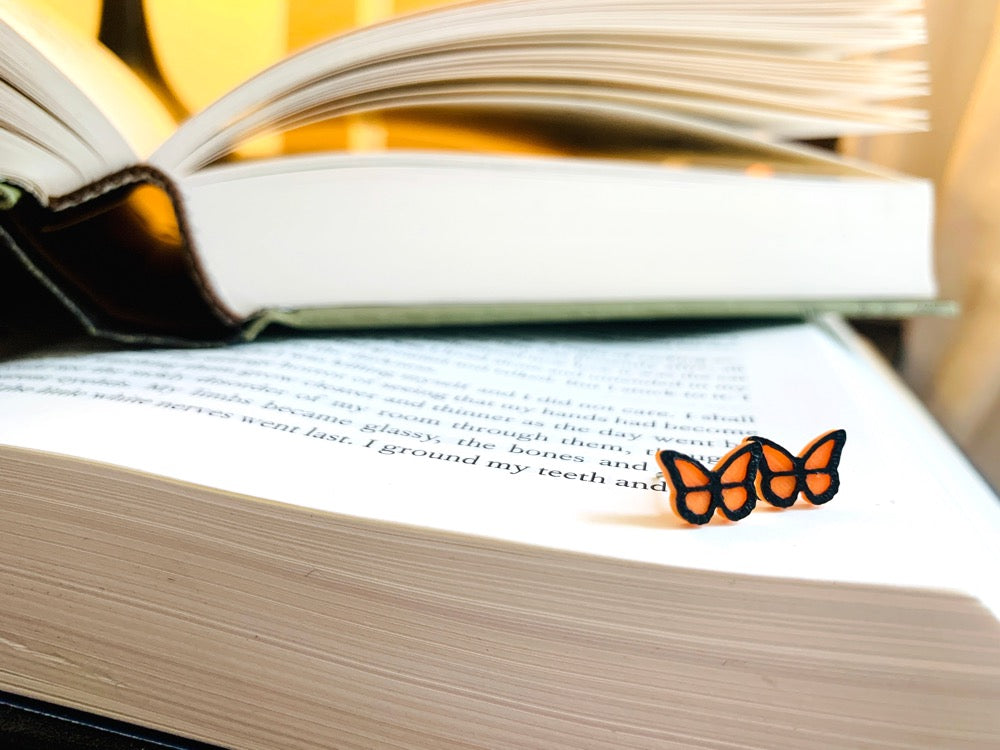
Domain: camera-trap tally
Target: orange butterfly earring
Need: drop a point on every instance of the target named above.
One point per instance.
(756, 468)
(782, 477)
(696, 493)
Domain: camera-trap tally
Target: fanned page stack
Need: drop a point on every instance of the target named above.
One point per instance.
(702, 97)
(458, 541)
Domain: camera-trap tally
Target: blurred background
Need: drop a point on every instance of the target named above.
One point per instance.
(195, 50)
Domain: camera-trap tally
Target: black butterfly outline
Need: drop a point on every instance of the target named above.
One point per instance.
(800, 469)
(716, 482)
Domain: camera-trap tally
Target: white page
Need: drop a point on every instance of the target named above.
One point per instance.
(534, 230)
(83, 86)
(799, 31)
(540, 429)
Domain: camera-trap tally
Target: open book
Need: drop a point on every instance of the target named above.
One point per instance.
(181, 242)
(459, 540)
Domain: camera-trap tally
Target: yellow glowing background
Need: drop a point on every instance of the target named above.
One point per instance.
(206, 47)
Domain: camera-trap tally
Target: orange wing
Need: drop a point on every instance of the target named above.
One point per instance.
(813, 473)
(777, 481)
(696, 492)
(820, 461)
(737, 473)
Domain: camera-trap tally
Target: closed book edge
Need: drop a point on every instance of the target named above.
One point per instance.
(141, 278)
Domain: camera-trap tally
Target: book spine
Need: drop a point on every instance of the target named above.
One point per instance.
(119, 255)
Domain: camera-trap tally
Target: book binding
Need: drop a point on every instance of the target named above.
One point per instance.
(119, 256)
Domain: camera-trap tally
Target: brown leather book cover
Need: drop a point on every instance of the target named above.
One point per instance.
(118, 255)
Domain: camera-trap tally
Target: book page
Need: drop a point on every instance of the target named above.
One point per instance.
(661, 66)
(83, 87)
(543, 436)
(533, 230)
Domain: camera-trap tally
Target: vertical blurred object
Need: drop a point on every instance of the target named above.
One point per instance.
(309, 22)
(124, 30)
(207, 48)
(955, 364)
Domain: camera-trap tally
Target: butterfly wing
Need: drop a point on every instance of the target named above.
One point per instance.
(818, 465)
(778, 481)
(736, 474)
(690, 485)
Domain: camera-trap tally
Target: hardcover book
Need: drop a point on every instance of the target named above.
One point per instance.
(668, 155)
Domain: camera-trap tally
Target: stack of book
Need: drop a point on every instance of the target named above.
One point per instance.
(456, 537)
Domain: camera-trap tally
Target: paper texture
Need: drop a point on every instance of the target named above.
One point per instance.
(537, 437)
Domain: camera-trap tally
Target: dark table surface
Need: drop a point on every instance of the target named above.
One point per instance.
(27, 724)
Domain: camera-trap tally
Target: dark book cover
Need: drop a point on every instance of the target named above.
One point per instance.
(29, 724)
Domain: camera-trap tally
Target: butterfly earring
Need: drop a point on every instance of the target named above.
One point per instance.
(696, 492)
(782, 477)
